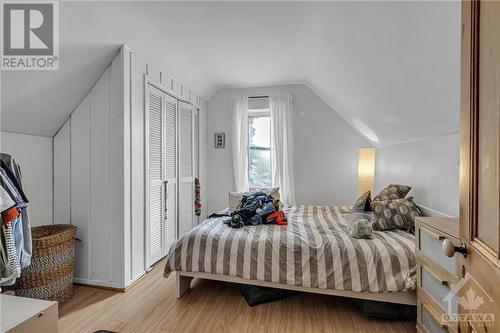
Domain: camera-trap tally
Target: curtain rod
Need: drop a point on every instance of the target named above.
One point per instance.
(265, 96)
(258, 97)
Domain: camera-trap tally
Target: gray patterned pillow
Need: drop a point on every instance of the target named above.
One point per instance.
(363, 203)
(394, 214)
(393, 191)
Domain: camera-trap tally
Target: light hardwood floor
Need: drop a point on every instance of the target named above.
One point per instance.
(210, 306)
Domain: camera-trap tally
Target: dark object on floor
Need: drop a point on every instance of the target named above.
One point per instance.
(258, 295)
(387, 310)
(105, 331)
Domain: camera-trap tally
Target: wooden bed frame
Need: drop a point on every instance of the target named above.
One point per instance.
(402, 297)
(184, 284)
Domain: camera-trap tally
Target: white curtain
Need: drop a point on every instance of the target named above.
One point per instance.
(240, 142)
(282, 146)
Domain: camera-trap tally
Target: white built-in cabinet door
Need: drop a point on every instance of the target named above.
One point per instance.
(170, 169)
(80, 185)
(62, 175)
(155, 189)
(186, 168)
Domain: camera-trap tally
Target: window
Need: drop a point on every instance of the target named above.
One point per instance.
(259, 149)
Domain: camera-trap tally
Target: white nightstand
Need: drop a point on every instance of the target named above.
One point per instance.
(21, 315)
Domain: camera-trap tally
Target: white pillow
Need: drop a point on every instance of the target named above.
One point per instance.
(236, 197)
(235, 200)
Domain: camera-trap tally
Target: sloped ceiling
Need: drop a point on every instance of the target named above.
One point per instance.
(391, 69)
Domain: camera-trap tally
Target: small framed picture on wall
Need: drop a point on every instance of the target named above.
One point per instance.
(220, 140)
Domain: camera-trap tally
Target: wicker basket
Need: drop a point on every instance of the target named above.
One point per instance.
(50, 275)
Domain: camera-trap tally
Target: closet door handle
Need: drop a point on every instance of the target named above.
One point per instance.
(165, 194)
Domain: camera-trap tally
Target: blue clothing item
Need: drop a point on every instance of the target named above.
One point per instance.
(14, 173)
(13, 255)
(8, 162)
(27, 245)
(20, 203)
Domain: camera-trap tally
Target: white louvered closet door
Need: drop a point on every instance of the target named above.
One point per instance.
(170, 165)
(186, 172)
(155, 227)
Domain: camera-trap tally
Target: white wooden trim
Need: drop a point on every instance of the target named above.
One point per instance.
(101, 283)
(432, 212)
(408, 297)
(135, 278)
(165, 89)
(147, 263)
(259, 112)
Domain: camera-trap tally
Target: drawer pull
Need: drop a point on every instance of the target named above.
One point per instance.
(434, 316)
(436, 277)
(434, 235)
(449, 248)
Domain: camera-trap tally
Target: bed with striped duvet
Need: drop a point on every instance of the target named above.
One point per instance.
(314, 251)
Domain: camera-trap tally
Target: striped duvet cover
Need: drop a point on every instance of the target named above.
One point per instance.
(314, 250)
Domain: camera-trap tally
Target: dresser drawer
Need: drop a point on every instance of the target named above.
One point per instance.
(430, 243)
(437, 287)
(431, 317)
(431, 320)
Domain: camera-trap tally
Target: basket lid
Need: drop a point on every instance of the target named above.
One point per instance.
(53, 233)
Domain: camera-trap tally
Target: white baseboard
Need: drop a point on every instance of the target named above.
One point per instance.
(99, 283)
(134, 279)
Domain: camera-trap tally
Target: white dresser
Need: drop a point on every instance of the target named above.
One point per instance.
(22, 315)
(435, 273)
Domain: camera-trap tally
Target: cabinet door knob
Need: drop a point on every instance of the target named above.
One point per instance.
(449, 248)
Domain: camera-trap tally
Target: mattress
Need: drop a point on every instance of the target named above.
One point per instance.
(314, 251)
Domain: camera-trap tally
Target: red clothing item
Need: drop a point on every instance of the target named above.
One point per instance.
(9, 215)
(277, 217)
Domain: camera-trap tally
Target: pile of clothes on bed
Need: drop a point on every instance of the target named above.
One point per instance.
(257, 208)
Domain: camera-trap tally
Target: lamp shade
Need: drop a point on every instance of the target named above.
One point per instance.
(366, 170)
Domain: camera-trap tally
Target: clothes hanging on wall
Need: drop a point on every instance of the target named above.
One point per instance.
(15, 229)
(197, 196)
(6, 270)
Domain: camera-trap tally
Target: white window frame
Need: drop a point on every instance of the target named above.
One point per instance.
(258, 113)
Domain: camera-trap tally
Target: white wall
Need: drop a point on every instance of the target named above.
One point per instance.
(34, 155)
(99, 160)
(429, 166)
(90, 159)
(326, 149)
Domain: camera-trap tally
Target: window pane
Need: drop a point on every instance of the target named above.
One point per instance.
(259, 132)
(259, 168)
(259, 152)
